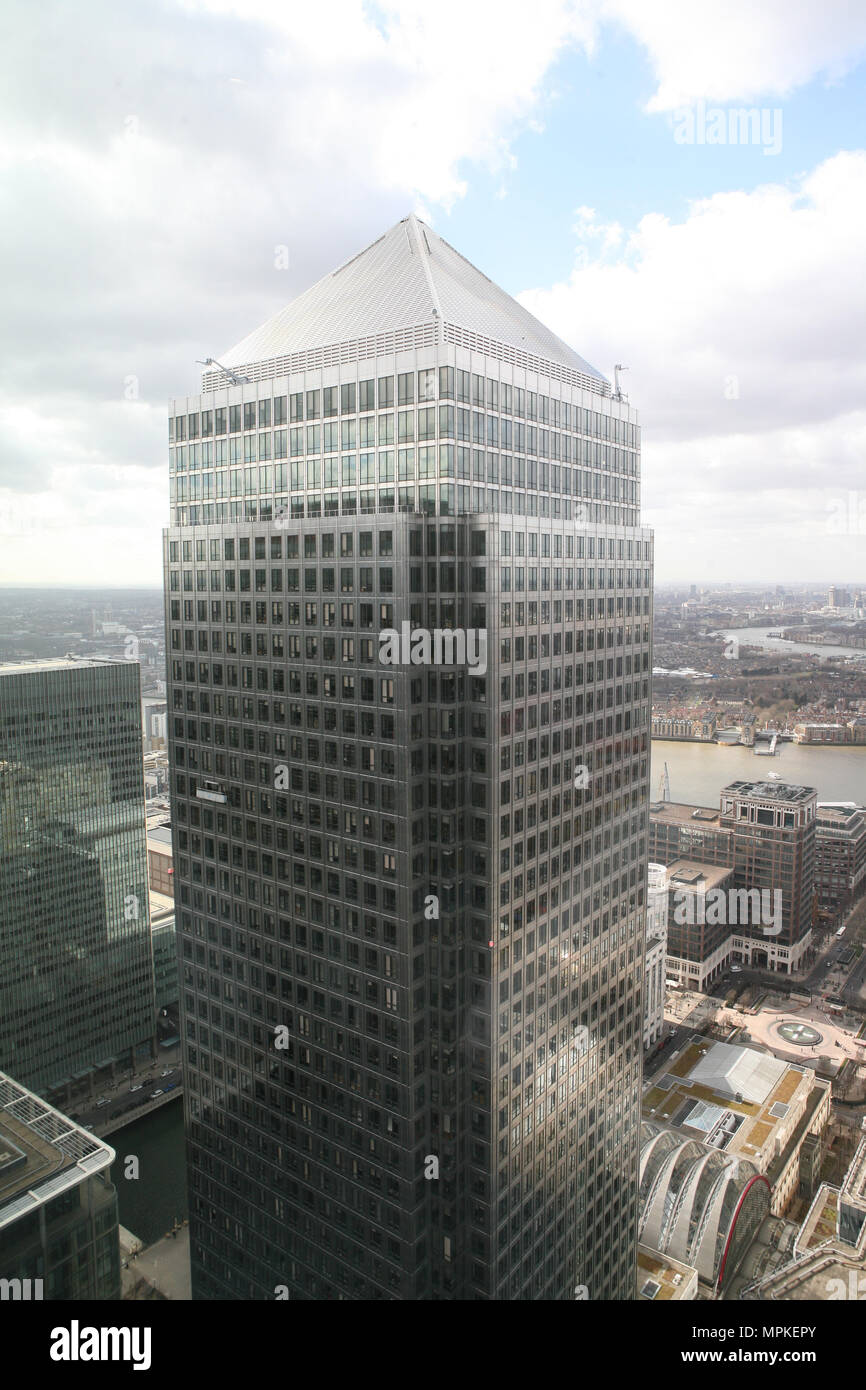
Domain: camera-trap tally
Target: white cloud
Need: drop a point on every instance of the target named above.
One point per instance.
(742, 49)
(744, 328)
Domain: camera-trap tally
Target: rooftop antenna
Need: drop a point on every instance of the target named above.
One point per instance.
(212, 362)
(617, 389)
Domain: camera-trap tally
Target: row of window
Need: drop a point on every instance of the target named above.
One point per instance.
(449, 540)
(468, 500)
(371, 394)
(344, 438)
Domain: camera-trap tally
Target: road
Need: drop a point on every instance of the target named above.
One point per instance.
(163, 1074)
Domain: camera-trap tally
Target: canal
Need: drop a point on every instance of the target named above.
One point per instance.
(149, 1203)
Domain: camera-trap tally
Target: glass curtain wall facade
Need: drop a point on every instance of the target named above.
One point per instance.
(76, 972)
(410, 897)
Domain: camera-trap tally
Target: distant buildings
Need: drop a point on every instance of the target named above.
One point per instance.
(839, 598)
(853, 731)
(76, 971)
(701, 729)
(58, 1206)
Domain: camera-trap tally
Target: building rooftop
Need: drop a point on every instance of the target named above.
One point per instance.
(159, 837)
(735, 1099)
(58, 663)
(769, 791)
(662, 1278)
(680, 812)
(688, 873)
(162, 909)
(406, 278)
(42, 1152)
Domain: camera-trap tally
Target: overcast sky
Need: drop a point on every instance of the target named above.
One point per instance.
(154, 155)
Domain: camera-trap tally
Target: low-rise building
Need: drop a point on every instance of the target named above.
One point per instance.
(747, 1103)
(58, 1205)
(827, 1261)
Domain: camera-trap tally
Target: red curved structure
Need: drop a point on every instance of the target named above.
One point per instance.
(759, 1177)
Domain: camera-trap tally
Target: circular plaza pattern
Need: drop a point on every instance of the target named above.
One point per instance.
(801, 1034)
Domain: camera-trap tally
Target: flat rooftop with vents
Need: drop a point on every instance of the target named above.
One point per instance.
(42, 1152)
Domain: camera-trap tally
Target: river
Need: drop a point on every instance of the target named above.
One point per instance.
(759, 637)
(698, 771)
(149, 1204)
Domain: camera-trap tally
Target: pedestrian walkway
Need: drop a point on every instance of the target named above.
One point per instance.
(162, 1270)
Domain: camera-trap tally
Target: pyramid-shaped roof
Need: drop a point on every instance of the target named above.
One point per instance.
(409, 277)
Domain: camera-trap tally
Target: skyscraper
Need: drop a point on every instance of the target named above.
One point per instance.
(76, 972)
(408, 610)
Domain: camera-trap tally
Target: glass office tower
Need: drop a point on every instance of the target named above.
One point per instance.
(408, 613)
(76, 972)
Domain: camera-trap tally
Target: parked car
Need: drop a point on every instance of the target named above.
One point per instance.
(172, 1085)
(138, 1087)
(154, 1094)
(103, 1100)
(168, 1072)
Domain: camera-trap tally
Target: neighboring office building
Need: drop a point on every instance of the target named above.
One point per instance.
(840, 857)
(406, 444)
(164, 939)
(76, 971)
(699, 939)
(160, 869)
(681, 831)
(656, 947)
(773, 825)
(58, 1206)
